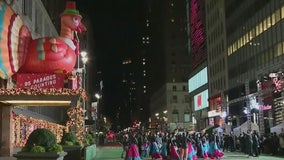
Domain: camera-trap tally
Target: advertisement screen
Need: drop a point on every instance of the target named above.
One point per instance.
(198, 80)
(201, 100)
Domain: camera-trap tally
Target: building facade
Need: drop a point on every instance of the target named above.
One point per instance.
(197, 49)
(19, 119)
(170, 107)
(169, 56)
(245, 54)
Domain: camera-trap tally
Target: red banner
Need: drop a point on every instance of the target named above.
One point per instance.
(31, 80)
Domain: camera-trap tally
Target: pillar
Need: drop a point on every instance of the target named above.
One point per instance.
(7, 131)
(260, 103)
(248, 105)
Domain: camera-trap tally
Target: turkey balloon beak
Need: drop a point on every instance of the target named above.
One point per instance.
(81, 28)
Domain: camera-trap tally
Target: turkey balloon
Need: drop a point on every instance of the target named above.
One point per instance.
(20, 53)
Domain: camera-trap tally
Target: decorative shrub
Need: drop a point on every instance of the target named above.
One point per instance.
(69, 139)
(89, 139)
(56, 148)
(68, 143)
(41, 138)
(79, 143)
(37, 149)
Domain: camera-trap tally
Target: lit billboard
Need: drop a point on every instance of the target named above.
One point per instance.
(201, 100)
(198, 80)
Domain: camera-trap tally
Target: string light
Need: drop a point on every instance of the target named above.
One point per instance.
(24, 125)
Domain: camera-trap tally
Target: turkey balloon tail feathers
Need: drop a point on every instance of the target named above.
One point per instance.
(14, 40)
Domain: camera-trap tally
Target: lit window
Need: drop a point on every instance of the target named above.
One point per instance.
(186, 116)
(175, 116)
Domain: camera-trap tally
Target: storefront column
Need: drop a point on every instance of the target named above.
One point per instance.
(260, 103)
(248, 105)
(6, 132)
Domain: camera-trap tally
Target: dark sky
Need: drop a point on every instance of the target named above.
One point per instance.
(116, 32)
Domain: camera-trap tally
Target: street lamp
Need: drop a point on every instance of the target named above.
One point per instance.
(84, 59)
(98, 97)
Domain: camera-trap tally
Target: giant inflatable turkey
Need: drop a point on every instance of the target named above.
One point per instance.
(20, 53)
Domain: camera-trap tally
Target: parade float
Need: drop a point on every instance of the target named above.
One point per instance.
(34, 72)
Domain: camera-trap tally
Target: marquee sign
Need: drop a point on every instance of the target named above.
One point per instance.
(27, 80)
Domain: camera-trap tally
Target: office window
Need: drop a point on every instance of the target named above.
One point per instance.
(174, 99)
(186, 116)
(184, 88)
(175, 116)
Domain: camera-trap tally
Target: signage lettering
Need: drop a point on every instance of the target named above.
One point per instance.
(40, 80)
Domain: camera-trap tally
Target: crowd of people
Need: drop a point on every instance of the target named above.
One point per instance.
(183, 145)
(178, 145)
(252, 144)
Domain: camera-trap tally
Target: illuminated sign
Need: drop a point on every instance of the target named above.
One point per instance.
(198, 80)
(197, 32)
(40, 80)
(214, 113)
(266, 107)
(201, 100)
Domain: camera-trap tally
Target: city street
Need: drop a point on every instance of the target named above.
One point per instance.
(113, 152)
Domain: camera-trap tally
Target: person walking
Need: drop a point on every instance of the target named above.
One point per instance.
(249, 142)
(174, 155)
(125, 144)
(145, 148)
(255, 144)
(183, 146)
(132, 152)
(155, 152)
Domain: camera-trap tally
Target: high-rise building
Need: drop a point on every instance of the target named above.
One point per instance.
(245, 53)
(169, 59)
(141, 61)
(217, 59)
(135, 71)
(255, 49)
(197, 49)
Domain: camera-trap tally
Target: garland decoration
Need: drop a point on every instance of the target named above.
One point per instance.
(44, 91)
(76, 120)
(24, 125)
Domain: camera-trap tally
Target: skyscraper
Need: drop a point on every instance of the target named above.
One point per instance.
(169, 59)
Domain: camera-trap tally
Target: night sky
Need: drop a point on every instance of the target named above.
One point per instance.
(116, 34)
